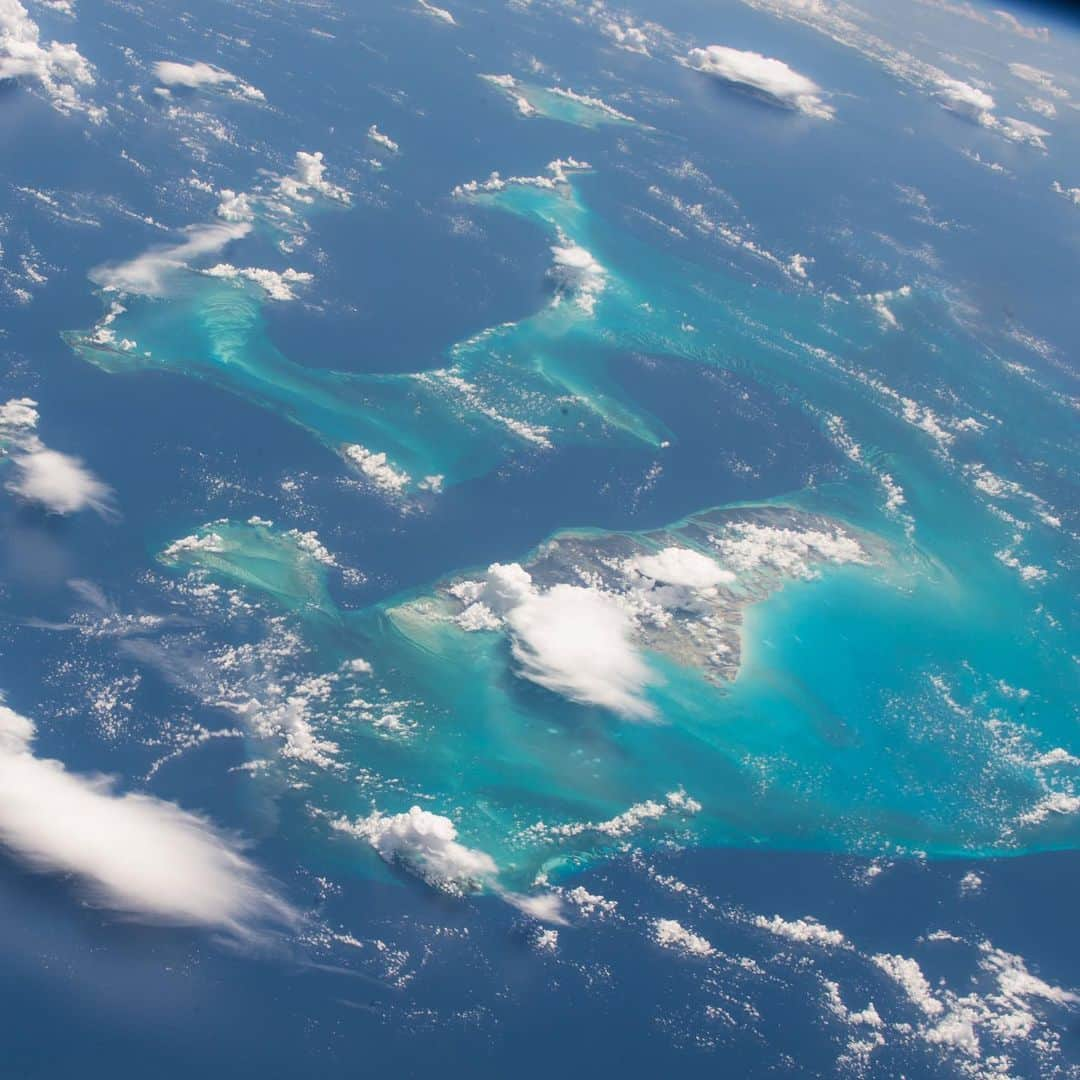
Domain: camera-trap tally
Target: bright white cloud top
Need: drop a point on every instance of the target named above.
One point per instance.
(276, 284)
(199, 74)
(57, 68)
(575, 641)
(969, 101)
(132, 852)
(772, 79)
(577, 274)
(308, 179)
(58, 483)
(427, 845)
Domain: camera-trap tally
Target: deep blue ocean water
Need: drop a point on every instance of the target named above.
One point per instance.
(883, 737)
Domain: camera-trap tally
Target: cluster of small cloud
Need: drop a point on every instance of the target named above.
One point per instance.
(276, 284)
(1041, 106)
(772, 79)
(626, 34)
(969, 101)
(838, 22)
(18, 416)
(508, 84)
(155, 272)
(750, 548)
(59, 69)
(1044, 80)
(1056, 803)
(56, 482)
(284, 713)
(377, 468)
(555, 176)
(793, 266)
(633, 819)
(961, 1022)
(590, 102)
(208, 541)
(427, 845)
(526, 106)
(577, 274)
(199, 75)
(472, 398)
(671, 934)
(1070, 193)
(308, 179)
(132, 852)
(806, 931)
(880, 301)
(234, 206)
(381, 139)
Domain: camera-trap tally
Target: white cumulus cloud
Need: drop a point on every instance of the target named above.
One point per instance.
(963, 98)
(975, 104)
(380, 138)
(671, 934)
(308, 179)
(199, 74)
(277, 284)
(427, 845)
(57, 68)
(58, 482)
(577, 274)
(682, 567)
(133, 852)
(771, 78)
(377, 468)
(573, 640)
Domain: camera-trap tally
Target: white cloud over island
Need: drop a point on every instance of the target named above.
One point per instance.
(768, 77)
(570, 639)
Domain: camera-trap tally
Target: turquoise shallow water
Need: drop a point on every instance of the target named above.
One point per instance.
(872, 712)
(904, 707)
